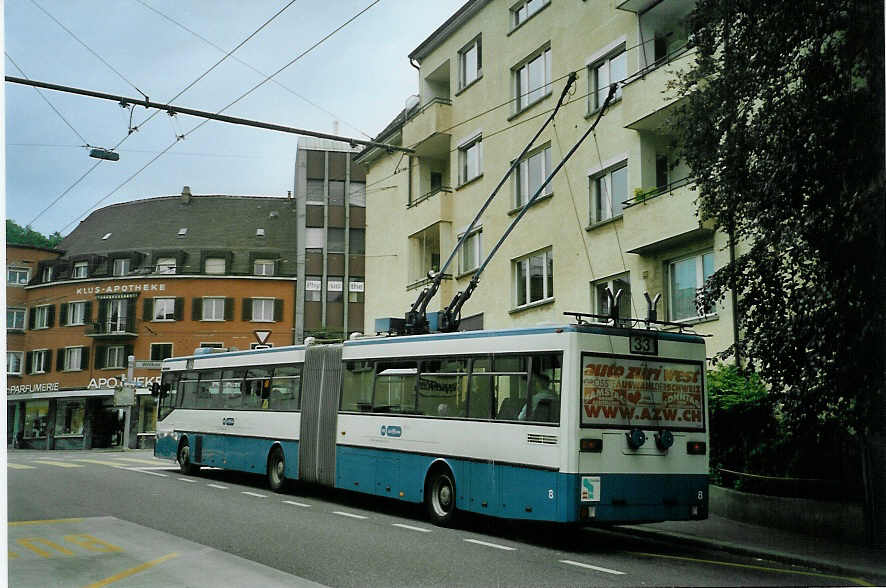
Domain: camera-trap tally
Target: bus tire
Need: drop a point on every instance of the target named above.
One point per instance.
(276, 469)
(185, 465)
(440, 497)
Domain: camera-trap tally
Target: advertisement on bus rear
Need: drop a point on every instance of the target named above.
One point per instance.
(646, 393)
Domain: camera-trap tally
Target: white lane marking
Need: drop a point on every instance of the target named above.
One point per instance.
(411, 528)
(348, 514)
(144, 468)
(590, 567)
(188, 480)
(302, 504)
(219, 486)
(137, 460)
(497, 546)
(146, 472)
(256, 494)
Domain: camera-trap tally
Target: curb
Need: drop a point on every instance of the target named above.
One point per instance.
(739, 549)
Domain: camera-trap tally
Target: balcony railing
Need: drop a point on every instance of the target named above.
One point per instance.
(645, 196)
(124, 326)
(424, 197)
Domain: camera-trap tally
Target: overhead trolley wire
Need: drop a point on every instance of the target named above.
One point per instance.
(256, 70)
(171, 145)
(82, 177)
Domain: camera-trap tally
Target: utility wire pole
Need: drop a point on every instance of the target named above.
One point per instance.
(173, 110)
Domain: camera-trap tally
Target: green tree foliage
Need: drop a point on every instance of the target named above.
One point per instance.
(783, 129)
(19, 235)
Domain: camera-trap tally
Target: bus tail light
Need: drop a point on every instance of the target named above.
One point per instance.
(591, 445)
(696, 447)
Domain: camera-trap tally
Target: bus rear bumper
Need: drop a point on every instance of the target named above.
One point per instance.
(641, 498)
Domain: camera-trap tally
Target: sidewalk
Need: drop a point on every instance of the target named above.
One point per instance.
(752, 540)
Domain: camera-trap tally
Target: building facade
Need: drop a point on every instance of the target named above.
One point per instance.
(330, 194)
(151, 279)
(620, 214)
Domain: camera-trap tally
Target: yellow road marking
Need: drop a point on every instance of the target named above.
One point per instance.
(100, 462)
(132, 571)
(29, 543)
(858, 581)
(61, 464)
(91, 543)
(43, 522)
(137, 460)
(19, 466)
(13, 555)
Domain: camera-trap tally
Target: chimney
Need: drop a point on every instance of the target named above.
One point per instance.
(186, 195)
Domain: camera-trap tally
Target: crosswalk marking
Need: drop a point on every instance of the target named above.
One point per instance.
(100, 462)
(60, 464)
(20, 466)
(137, 460)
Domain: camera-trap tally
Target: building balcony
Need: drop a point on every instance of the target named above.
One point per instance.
(662, 218)
(427, 131)
(647, 100)
(114, 328)
(434, 207)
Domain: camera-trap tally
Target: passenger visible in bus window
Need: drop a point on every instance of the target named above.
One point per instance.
(544, 387)
(511, 387)
(285, 388)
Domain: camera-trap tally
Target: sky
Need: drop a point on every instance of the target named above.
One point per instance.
(358, 79)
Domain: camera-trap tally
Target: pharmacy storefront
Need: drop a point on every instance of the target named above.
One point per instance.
(43, 416)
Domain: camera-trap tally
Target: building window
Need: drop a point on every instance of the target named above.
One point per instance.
(336, 193)
(314, 191)
(334, 290)
(117, 313)
(46, 275)
(41, 317)
(424, 253)
(165, 265)
(213, 309)
(17, 276)
(315, 239)
(357, 194)
(357, 241)
(355, 290)
(611, 70)
(69, 417)
(524, 10)
(15, 318)
(534, 278)
(263, 267)
(608, 191)
(115, 356)
(469, 254)
(14, 361)
(687, 277)
(36, 419)
(160, 351)
(470, 64)
(73, 359)
(81, 269)
(336, 240)
(263, 309)
(313, 288)
(76, 313)
(214, 265)
(532, 79)
(529, 175)
(600, 302)
(164, 309)
(182, 233)
(121, 266)
(470, 159)
(40, 361)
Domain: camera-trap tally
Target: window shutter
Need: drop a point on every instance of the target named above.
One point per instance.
(84, 358)
(50, 316)
(229, 309)
(127, 351)
(103, 312)
(197, 309)
(147, 309)
(130, 314)
(179, 308)
(247, 309)
(29, 361)
(100, 354)
(278, 310)
(63, 314)
(32, 316)
(87, 312)
(48, 360)
(60, 360)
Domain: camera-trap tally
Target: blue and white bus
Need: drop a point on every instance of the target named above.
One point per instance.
(574, 423)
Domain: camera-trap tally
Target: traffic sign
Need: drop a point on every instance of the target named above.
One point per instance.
(262, 336)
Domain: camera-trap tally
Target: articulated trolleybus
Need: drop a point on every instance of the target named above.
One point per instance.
(578, 423)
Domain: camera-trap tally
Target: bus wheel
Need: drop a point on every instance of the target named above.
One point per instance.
(440, 498)
(276, 467)
(184, 460)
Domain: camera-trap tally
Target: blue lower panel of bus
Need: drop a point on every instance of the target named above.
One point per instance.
(511, 491)
(244, 454)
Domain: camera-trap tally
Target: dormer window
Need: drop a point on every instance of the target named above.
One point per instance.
(215, 265)
(183, 232)
(107, 236)
(81, 269)
(121, 266)
(46, 275)
(259, 232)
(166, 265)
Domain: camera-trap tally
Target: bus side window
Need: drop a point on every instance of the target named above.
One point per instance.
(511, 386)
(442, 386)
(394, 389)
(544, 388)
(480, 389)
(257, 389)
(356, 393)
(285, 387)
(187, 388)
